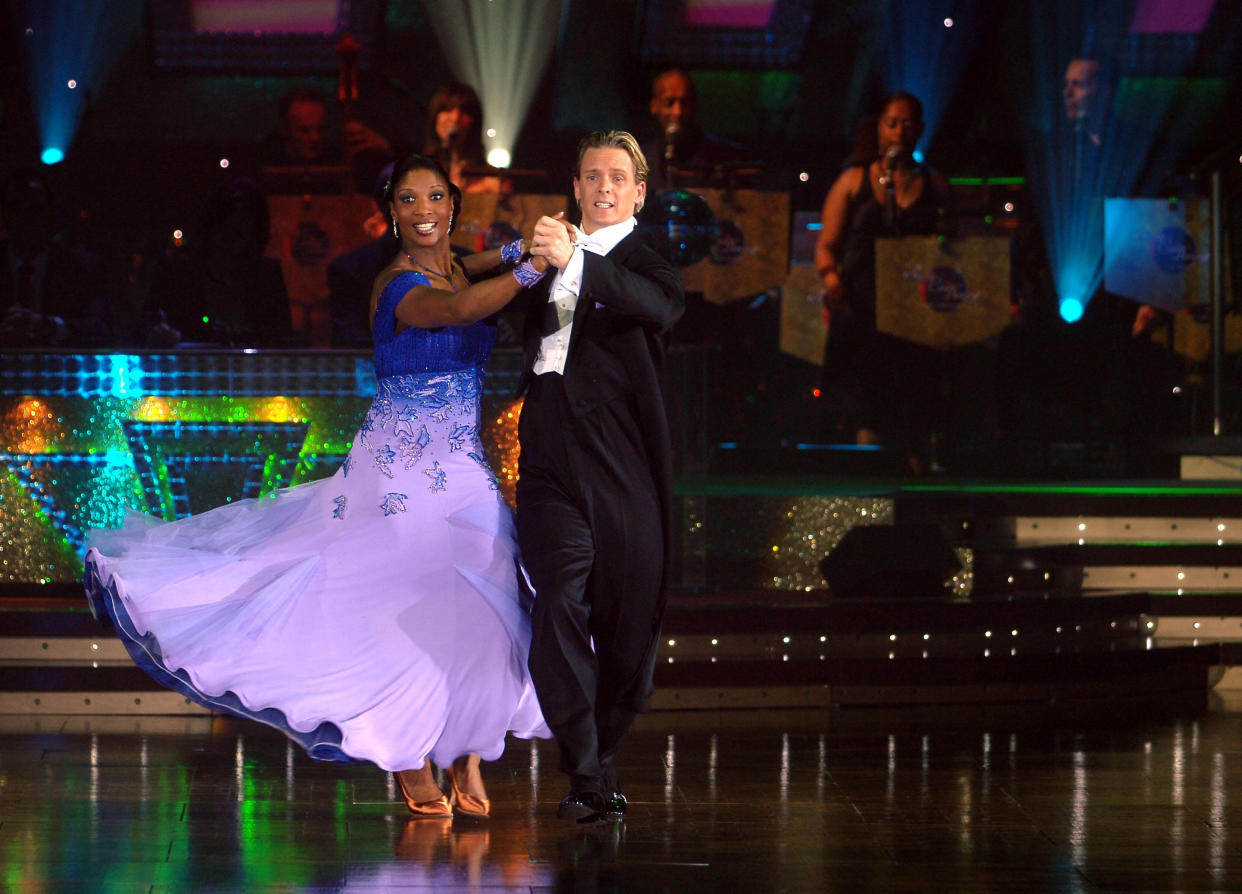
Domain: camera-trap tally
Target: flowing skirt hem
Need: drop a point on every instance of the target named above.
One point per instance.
(323, 743)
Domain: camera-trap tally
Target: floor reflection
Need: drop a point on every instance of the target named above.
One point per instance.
(589, 859)
(1021, 798)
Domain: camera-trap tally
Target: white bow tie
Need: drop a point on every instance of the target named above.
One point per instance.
(586, 242)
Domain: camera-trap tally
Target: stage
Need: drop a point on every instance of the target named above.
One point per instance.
(866, 681)
(1078, 798)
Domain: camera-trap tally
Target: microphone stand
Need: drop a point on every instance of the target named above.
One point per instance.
(890, 194)
(1215, 164)
(347, 51)
(666, 162)
(1218, 307)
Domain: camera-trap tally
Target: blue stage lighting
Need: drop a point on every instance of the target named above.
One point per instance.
(68, 46)
(51, 155)
(924, 55)
(1092, 142)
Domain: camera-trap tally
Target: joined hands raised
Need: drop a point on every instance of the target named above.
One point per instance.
(553, 241)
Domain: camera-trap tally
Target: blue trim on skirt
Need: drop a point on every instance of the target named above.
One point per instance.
(322, 743)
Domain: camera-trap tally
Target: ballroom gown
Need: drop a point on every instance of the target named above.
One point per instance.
(380, 614)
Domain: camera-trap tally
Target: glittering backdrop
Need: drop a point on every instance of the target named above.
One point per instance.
(86, 437)
(774, 541)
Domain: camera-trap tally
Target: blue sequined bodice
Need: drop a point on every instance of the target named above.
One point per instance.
(415, 350)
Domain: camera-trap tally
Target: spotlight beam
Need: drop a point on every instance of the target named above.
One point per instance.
(926, 46)
(69, 40)
(1071, 177)
(500, 49)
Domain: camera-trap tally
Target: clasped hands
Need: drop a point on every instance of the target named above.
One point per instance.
(553, 241)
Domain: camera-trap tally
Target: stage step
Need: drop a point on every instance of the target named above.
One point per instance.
(999, 678)
(1159, 537)
(1087, 566)
(975, 504)
(772, 531)
(745, 648)
(1028, 530)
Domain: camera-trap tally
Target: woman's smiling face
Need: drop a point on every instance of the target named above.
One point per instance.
(422, 207)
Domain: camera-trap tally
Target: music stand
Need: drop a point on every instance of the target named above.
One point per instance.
(803, 332)
(942, 293)
(1156, 251)
(751, 252)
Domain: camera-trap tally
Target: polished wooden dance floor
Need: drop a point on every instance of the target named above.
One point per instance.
(1116, 797)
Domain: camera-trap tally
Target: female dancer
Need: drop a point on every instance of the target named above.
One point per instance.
(375, 615)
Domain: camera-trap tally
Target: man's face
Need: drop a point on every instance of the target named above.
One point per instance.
(672, 100)
(606, 187)
(304, 126)
(1081, 93)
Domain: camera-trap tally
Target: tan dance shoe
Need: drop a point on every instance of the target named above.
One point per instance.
(436, 807)
(464, 803)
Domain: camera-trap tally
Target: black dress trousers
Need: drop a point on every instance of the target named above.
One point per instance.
(589, 526)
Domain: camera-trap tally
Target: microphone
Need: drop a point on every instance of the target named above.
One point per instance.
(670, 138)
(890, 157)
(448, 144)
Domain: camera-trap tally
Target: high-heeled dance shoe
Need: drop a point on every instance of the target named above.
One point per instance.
(464, 803)
(435, 808)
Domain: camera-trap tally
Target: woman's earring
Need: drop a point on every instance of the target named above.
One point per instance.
(396, 234)
(452, 220)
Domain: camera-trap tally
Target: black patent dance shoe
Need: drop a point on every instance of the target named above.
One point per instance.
(615, 805)
(582, 807)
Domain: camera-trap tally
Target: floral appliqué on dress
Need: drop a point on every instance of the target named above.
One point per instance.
(410, 416)
(393, 503)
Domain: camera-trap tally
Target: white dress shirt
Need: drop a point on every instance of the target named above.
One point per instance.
(563, 295)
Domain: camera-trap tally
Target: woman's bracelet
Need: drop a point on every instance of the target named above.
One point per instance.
(511, 252)
(526, 274)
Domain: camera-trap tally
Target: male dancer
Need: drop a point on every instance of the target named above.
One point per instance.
(594, 487)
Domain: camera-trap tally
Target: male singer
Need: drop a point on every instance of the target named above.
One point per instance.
(681, 153)
(595, 469)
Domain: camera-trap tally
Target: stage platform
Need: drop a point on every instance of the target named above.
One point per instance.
(1120, 796)
(866, 682)
(1058, 591)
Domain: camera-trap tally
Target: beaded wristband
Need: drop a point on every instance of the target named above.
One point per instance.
(526, 274)
(511, 252)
